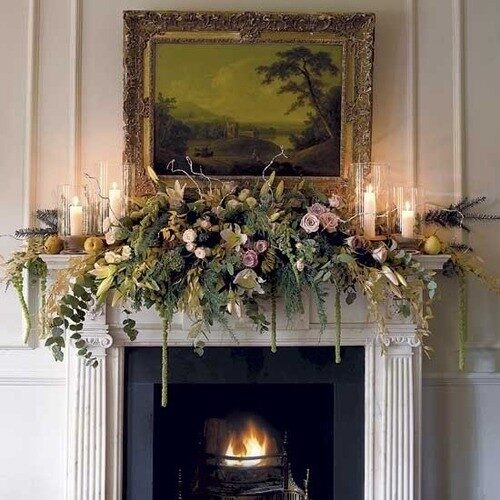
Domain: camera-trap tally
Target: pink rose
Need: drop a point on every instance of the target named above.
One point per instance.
(309, 223)
(250, 258)
(329, 221)
(335, 201)
(261, 246)
(317, 209)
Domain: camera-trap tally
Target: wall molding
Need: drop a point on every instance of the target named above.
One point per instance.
(412, 90)
(460, 379)
(30, 166)
(30, 378)
(31, 140)
(458, 86)
(75, 92)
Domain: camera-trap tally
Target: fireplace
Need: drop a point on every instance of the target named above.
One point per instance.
(245, 424)
(99, 464)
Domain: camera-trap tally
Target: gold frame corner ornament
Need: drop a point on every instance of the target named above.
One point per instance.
(354, 31)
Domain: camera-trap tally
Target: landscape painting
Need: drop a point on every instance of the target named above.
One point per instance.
(232, 107)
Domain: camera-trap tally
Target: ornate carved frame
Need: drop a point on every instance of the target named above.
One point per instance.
(144, 29)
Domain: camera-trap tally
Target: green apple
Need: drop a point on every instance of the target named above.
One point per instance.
(53, 244)
(432, 245)
(93, 244)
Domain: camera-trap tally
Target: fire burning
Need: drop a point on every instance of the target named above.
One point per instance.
(251, 443)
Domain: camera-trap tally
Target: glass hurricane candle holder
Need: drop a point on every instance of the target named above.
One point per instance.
(71, 209)
(371, 198)
(101, 193)
(408, 206)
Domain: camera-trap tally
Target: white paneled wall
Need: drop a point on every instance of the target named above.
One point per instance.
(436, 114)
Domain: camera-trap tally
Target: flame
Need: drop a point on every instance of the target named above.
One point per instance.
(251, 442)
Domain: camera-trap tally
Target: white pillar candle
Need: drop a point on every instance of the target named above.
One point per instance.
(369, 212)
(115, 203)
(407, 221)
(75, 217)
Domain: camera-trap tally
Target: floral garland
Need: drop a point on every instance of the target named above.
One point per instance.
(223, 252)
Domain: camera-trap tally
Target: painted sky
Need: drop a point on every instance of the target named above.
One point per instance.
(222, 80)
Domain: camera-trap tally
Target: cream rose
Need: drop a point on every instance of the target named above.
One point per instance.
(189, 236)
(200, 252)
(309, 223)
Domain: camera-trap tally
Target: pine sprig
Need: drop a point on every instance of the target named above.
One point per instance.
(45, 216)
(457, 213)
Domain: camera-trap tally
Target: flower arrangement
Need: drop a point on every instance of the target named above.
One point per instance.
(224, 251)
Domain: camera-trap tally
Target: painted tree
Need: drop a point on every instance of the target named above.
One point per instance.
(301, 72)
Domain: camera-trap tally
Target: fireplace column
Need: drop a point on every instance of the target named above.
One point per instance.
(399, 409)
(86, 443)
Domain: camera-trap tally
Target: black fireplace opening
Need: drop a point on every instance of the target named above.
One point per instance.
(244, 423)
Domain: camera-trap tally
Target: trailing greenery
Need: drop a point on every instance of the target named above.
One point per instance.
(26, 267)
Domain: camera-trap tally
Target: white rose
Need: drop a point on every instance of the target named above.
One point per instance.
(190, 247)
(126, 252)
(300, 265)
(111, 236)
(200, 252)
(189, 236)
(112, 257)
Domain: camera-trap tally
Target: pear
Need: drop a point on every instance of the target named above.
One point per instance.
(53, 244)
(93, 244)
(432, 245)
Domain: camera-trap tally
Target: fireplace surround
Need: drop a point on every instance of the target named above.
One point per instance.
(392, 392)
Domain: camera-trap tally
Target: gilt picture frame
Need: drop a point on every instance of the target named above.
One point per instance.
(232, 91)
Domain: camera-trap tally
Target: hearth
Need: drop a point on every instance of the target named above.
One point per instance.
(245, 424)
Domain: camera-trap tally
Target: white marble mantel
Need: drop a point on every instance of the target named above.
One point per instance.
(392, 393)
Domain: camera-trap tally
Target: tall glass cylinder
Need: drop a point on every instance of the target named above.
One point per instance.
(101, 193)
(371, 198)
(71, 209)
(127, 174)
(409, 206)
